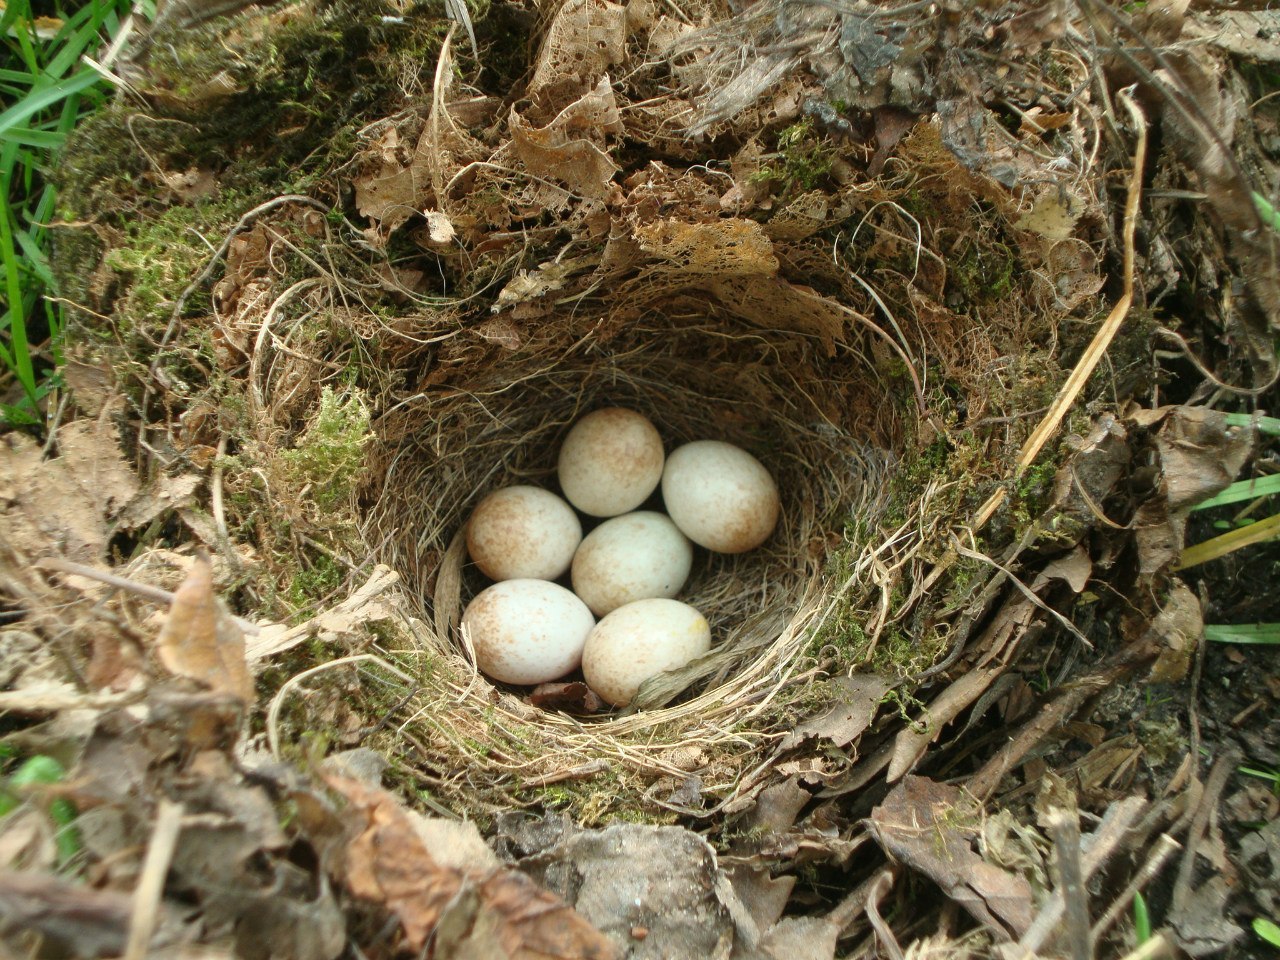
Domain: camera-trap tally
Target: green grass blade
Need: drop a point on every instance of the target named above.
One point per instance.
(1265, 210)
(1267, 425)
(1141, 919)
(15, 321)
(1267, 930)
(1243, 490)
(46, 97)
(1258, 532)
(40, 139)
(1242, 632)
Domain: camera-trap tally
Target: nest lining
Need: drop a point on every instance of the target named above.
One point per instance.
(774, 392)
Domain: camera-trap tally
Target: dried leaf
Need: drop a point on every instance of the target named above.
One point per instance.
(439, 227)
(71, 919)
(200, 640)
(496, 914)
(854, 701)
(90, 484)
(572, 697)
(933, 828)
(368, 604)
(1174, 633)
(565, 150)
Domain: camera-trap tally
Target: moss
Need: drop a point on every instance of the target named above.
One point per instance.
(315, 582)
(983, 273)
(329, 457)
(803, 160)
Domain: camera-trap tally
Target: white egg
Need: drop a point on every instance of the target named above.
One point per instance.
(610, 462)
(720, 496)
(639, 641)
(632, 557)
(527, 631)
(523, 532)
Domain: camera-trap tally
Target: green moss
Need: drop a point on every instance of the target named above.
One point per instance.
(803, 160)
(315, 582)
(983, 273)
(329, 456)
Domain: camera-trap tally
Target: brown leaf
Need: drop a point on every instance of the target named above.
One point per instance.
(70, 918)
(1199, 456)
(572, 697)
(200, 640)
(911, 742)
(853, 706)
(932, 828)
(90, 483)
(495, 914)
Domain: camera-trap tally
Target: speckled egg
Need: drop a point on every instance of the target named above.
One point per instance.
(523, 532)
(610, 462)
(636, 556)
(720, 496)
(527, 631)
(639, 641)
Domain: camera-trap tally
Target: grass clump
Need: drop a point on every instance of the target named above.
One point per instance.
(50, 89)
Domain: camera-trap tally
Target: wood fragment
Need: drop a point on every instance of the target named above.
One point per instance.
(146, 896)
(1102, 843)
(1065, 831)
(884, 935)
(1215, 783)
(1165, 848)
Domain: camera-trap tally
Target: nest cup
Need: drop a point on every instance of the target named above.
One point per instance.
(813, 414)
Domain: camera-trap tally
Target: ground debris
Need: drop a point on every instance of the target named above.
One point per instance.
(658, 892)
(931, 827)
(374, 847)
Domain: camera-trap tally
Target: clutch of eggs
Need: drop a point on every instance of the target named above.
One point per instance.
(527, 630)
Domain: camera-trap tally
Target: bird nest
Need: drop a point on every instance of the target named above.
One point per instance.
(824, 422)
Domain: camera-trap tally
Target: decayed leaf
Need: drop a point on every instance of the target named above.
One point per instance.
(73, 919)
(853, 706)
(90, 484)
(496, 914)
(368, 604)
(932, 828)
(200, 640)
(1199, 456)
(561, 151)
(1175, 632)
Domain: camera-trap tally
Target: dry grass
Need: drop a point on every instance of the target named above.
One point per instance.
(769, 390)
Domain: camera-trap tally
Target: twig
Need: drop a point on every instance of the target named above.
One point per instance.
(584, 772)
(855, 902)
(1157, 946)
(56, 698)
(1064, 828)
(1214, 784)
(1102, 843)
(144, 590)
(146, 896)
(1097, 349)
(1165, 848)
(888, 942)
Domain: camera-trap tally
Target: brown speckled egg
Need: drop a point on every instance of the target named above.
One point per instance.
(527, 631)
(720, 496)
(636, 556)
(523, 532)
(639, 641)
(610, 462)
